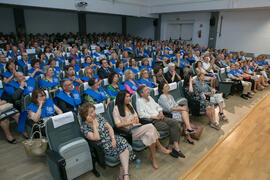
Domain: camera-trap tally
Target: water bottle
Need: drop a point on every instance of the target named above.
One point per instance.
(138, 162)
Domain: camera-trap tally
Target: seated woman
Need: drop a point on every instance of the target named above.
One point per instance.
(59, 57)
(125, 57)
(50, 81)
(114, 85)
(35, 71)
(88, 74)
(119, 67)
(113, 59)
(4, 124)
(158, 78)
(95, 128)
(180, 113)
(57, 69)
(133, 66)
(96, 94)
(72, 62)
(158, 59)
(207, 91)
(88, 62)
(145, 64)
(41, 108)
(144, 74)
(130, 83)
(8, 76)
(70, 74)
(125, 117)
(208, 76)
(194, 94)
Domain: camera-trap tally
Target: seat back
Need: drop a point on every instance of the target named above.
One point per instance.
(194, 69)
(222, 74)
(174, 91)
(154, 93)
(133, 100)
(62, 128)
(180, 87)
(83, 87)
(104, 83)
(109, 116)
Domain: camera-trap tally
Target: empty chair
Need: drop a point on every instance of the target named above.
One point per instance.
(69, 155)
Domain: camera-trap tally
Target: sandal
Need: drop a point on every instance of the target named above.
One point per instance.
(13, 141)
(222, 117)
(125, 175)
(188, 141)
(214, 125)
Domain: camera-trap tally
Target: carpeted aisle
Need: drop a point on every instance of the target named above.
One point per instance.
(241, 154)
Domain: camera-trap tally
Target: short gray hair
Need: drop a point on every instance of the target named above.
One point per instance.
(170, 65)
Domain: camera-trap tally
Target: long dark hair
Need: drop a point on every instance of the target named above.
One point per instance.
(120, 102)
(186, 80)
(160, 88)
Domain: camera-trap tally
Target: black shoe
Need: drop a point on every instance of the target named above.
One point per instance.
(13, 141)
(188, 141)
(96, 173)
(188, 131)
(244, 96)
(174, 153)
(180, 154)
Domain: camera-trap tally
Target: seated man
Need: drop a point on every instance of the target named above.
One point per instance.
(15, 90)
(246, 85)
(148, 108)
(105, 70)
(24, 61)
(3, 61)
(69, 98)
(172, 76)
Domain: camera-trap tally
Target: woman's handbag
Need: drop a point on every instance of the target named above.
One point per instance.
(198, 131)
(35, 147)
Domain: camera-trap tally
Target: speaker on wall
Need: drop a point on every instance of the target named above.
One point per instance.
(155, 22)
(212, 21)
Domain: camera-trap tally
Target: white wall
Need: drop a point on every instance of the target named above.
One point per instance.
(142, 27)
(48, 21)
(103, 23)
(181, 18)
(169, 6)
(120, 7)
(7, 20)
(245, 30)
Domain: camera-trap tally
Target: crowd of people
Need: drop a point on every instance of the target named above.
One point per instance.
(53, 67)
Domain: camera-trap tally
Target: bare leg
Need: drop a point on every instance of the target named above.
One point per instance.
(124, 158)
(152, 148)
(185, 117)
(209, 113)
(5, 126)
(220, 106)
(162, 148)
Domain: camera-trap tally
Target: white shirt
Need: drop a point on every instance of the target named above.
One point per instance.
(146, 109)
(206, 66)
(197, 58)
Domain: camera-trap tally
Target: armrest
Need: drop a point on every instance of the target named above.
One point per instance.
(59, 161)
(56, 157)
(125, 133)
(145, 120)
(167, 114)
(97, 152)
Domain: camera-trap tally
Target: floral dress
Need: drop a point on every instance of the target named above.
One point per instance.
(196, 96)
(121, 143)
